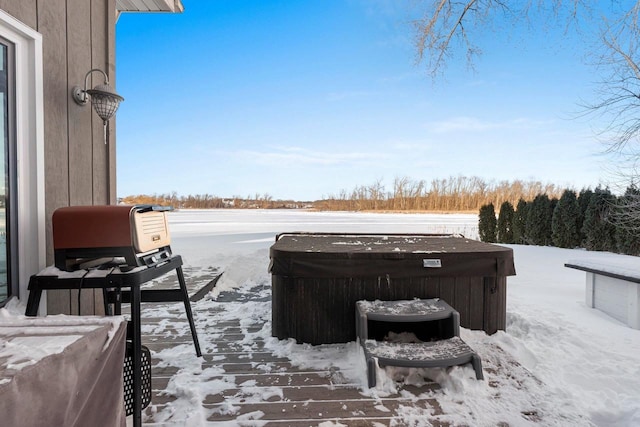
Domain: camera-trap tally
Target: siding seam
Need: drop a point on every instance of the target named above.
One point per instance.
(93, 192)
(66, 28)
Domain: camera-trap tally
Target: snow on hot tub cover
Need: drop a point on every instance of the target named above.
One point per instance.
(395, 255)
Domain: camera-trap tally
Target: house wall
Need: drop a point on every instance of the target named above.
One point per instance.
(77, 35)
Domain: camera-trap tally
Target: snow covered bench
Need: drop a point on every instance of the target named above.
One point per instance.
(612, 289)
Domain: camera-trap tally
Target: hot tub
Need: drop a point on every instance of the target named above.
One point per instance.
(317, 279)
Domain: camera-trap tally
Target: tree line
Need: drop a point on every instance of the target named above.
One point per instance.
(453, 194)
(208, 201)
(595, 220)
(456, 193)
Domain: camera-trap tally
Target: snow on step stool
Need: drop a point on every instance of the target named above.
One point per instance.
(414, 307)
(436, 354)
(406, 311)
(417, 311)
(442, 350)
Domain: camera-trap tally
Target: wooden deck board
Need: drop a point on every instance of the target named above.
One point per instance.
(282, 393)
(314, 410)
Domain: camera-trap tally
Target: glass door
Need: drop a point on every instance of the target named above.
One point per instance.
(7, 164)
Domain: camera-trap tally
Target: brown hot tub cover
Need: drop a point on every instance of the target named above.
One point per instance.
(344, 255)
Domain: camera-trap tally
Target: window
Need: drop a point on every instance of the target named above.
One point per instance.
(22, 223)
(8, 258)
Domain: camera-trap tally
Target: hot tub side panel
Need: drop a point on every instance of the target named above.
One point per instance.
(495, 304)
(322, 310)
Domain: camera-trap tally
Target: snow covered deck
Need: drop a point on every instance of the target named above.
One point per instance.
(249, 378)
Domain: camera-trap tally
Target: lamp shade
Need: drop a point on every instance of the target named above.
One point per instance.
(105, 101)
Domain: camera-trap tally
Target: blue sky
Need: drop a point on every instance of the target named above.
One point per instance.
(302, 99)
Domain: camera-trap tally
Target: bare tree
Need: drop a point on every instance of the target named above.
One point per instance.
(619, 90)
(451, 27)
(445, 26)
(448, 26)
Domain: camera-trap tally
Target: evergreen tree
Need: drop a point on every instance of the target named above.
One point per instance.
(505, 223)
(598, 228)
(487, 223)
(565, 222)
(627, 222)
(553, 202)
(538, 223)
(583, 201)
(519, 222)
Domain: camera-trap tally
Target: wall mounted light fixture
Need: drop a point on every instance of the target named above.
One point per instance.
(104, 99)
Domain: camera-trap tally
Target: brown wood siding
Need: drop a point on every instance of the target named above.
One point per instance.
(80, 118)
(52, 24)
(79, 121)
(99, 60)
(22, 10)
(111, 61)
(77, 35)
